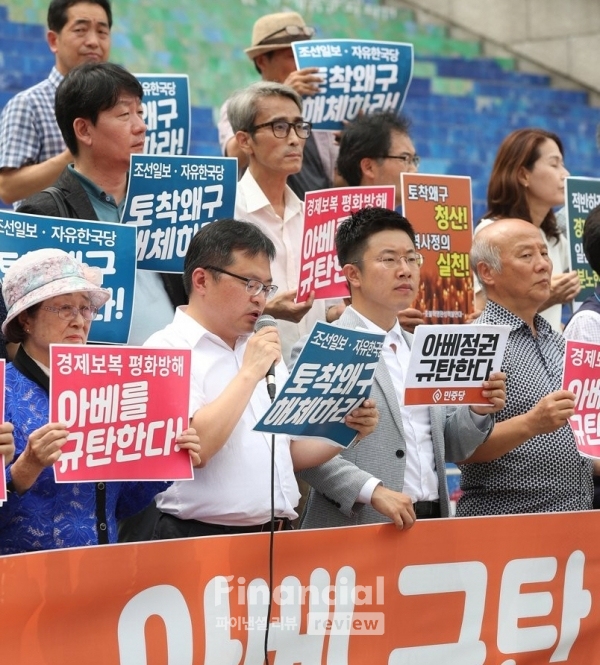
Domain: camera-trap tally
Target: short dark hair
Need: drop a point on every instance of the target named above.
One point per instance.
(591, 239)
(86, 91)
(368, 136)
(57, 12)
(215, 243)
(269, 54)
(353, 234)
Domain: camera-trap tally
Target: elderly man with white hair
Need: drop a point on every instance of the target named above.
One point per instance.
(530, 462)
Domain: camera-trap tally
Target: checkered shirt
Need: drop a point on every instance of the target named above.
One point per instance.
(545, 473)
(28, 130)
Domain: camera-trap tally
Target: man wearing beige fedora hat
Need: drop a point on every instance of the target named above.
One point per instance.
(271, 52)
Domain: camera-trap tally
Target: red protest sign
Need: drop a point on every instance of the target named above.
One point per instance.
(580, 376)
(440, 210)
(324, 211)
(124, 408)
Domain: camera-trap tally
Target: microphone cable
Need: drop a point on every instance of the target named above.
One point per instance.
(271, 547)
(266, 320)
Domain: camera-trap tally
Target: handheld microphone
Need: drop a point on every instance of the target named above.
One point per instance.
(262, 322)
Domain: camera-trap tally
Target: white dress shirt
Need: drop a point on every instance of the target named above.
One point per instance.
(152, 307)
(420, 477)
(253, 206)
(234, 487)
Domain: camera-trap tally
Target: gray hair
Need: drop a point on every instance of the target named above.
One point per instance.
(484, 251)
(242, 107)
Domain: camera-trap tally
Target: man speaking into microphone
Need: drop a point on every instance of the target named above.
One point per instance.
(227, 276)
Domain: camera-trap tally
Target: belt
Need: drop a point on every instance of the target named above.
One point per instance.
(281, 524)
(426, 509)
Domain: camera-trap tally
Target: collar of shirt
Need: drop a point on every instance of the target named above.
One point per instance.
(105, 206)
(55, 77)
(495, 311)
(43, 367)
(256, 199)
(392, 336)
(193, 332)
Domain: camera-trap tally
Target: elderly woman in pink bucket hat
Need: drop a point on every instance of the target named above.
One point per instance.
(52, 299)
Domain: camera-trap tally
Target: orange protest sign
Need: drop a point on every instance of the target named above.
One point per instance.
(472, 591)
(440, 210)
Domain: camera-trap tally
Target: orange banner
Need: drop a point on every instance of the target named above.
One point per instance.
(499, 590)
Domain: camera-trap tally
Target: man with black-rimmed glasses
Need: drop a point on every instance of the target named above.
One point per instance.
(227, 276)
(268, 124)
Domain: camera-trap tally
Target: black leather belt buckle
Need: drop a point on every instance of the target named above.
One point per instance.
(426, 509)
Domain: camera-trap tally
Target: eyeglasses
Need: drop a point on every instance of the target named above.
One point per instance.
(281, 128)
(253, 286)
(69, 312)
(394, 262)
(292, 30)
(405, 157)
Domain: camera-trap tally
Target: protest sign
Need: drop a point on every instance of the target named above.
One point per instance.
(582, 195)
(359, 75)
(167, 113)
(581, 377)
(170, 198)
(332, 375)
(324, 211)
(439, 208)
(110, 247)
(124, 408)
(449, 367)
(2, 476)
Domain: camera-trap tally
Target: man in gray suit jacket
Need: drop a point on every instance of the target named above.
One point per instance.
(398, 473)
